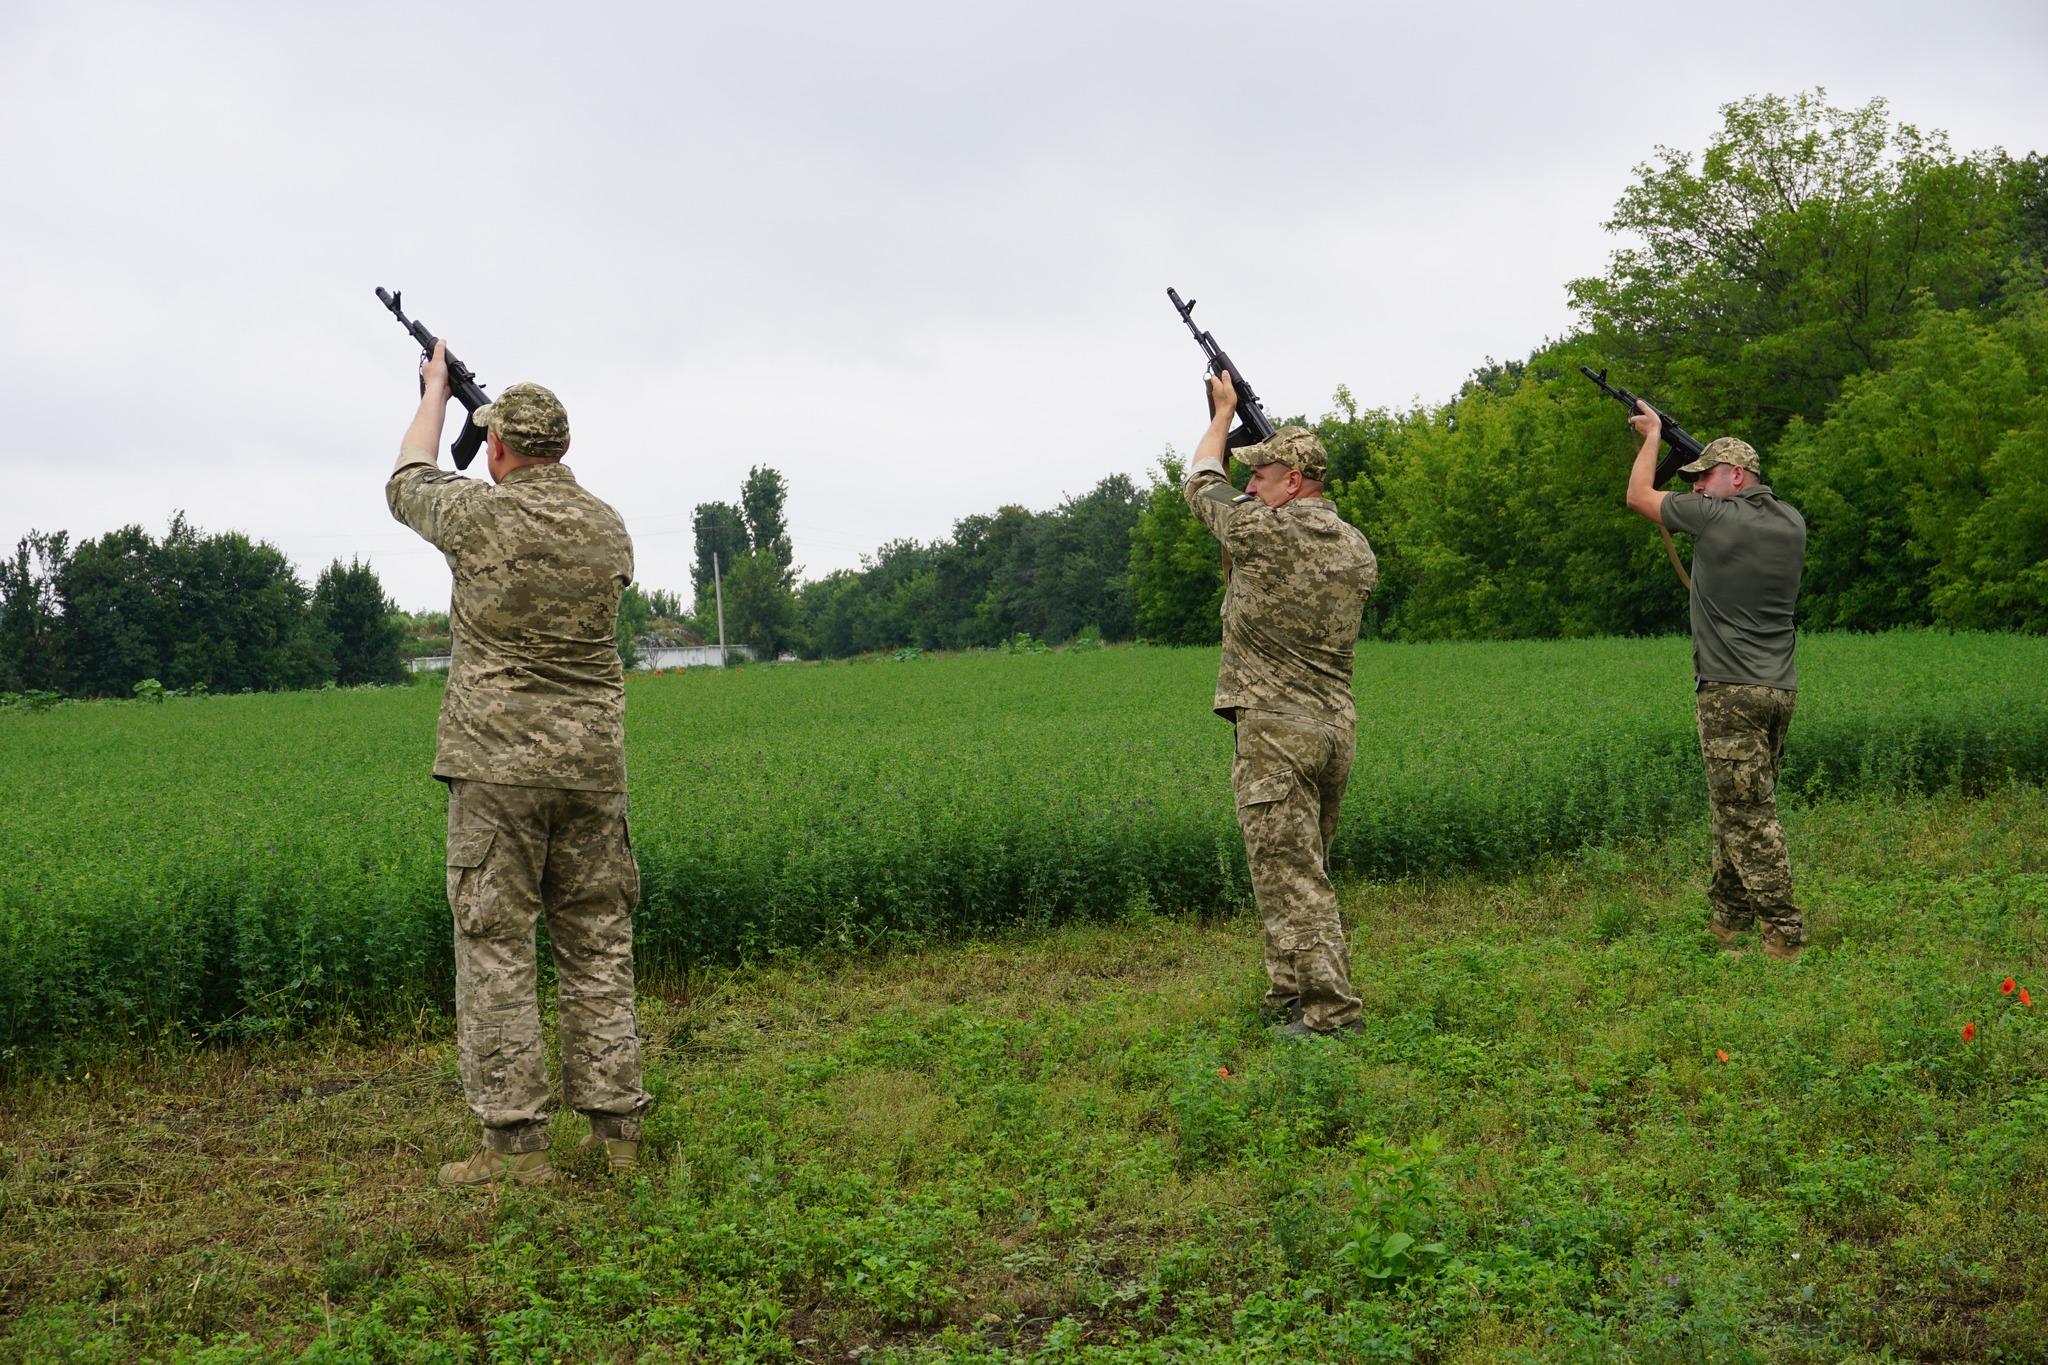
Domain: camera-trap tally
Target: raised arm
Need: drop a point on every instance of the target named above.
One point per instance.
(423, 438)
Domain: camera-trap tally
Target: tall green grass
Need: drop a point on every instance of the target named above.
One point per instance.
(241, 863)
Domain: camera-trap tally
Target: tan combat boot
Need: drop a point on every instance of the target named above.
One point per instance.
(1779, 948)
(523, 1168)
(1731, 939)
(621, 1154)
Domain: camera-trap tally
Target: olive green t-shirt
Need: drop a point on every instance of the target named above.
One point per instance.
(1747, 555)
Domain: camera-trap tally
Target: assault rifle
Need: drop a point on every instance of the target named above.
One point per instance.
(467, 390)
(1685, 448)
(1252, 425)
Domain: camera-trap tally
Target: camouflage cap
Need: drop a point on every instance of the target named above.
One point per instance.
(1723, 450)
(529, 419)
(1295, 447)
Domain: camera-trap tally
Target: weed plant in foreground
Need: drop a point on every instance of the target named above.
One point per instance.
(1573, 1130)
(242, 866)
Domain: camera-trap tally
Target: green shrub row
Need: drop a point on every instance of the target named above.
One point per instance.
(242, 864)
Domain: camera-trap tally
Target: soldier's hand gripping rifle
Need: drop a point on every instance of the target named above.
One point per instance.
(461, 382)
(1252, 426)
(1685, 448)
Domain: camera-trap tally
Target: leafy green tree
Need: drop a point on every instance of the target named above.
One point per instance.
(220, 611)
(635, 619)
(1076, 571)
(760, 609)
(1926, 489)
(720, 531)
(116, 613)
(974, 572)
(361, 628)
(762, 498)
(1362, 446)
(238, 617)
(1805, 238)
(1175, 577)
(899, 581)
(1499, 515)
(664, 605)
(831, 615)
(30, 626)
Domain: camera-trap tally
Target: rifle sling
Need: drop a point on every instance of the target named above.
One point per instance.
(1669, 549)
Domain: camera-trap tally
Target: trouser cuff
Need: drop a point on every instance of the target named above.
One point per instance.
(529, 1137)
(613, 1128)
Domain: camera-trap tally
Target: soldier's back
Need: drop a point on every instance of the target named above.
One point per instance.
(1298, 589)
(536, 692)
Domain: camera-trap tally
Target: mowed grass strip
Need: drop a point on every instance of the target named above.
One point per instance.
(1082, 1144)
(245, 866)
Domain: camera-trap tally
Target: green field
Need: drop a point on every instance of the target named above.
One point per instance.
(243, 865)
(1026, 1146)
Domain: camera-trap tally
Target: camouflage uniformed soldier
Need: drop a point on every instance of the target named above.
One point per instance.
(1749, 549)
(531, 745)
(1299, 578)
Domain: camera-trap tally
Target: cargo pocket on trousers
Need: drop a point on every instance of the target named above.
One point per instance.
(1739, 769)
(467, 850)
(1257, 799)
(629, 875)
(479, 1054)
(1264, 791)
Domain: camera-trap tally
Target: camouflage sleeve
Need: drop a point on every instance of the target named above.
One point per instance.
(1690, 513)
(432, 501)
(1212, 498)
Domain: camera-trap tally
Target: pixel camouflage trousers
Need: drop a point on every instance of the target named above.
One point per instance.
(1742, 739)
(514, 854)
(1289, 776)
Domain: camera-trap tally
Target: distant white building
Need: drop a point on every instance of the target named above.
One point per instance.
(652, 656)
(689, 656)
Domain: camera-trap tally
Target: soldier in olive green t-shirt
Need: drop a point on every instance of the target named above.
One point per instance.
(1748, 552)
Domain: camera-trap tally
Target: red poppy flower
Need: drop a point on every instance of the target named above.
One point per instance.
(2026, 999)
(1969, 1032)
(2005, 986)
(1224, 1072)
(1722, 1055)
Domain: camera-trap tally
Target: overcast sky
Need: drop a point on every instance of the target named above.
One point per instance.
(912, 255)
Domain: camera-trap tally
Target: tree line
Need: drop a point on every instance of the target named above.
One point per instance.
(1856, 299)
(190, 611)
(1865, 305)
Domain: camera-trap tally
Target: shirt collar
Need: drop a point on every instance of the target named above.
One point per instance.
(539, 471)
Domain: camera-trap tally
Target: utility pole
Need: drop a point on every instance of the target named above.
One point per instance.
(718, 591)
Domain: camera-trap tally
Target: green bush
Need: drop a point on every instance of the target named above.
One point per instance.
(262, 860)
